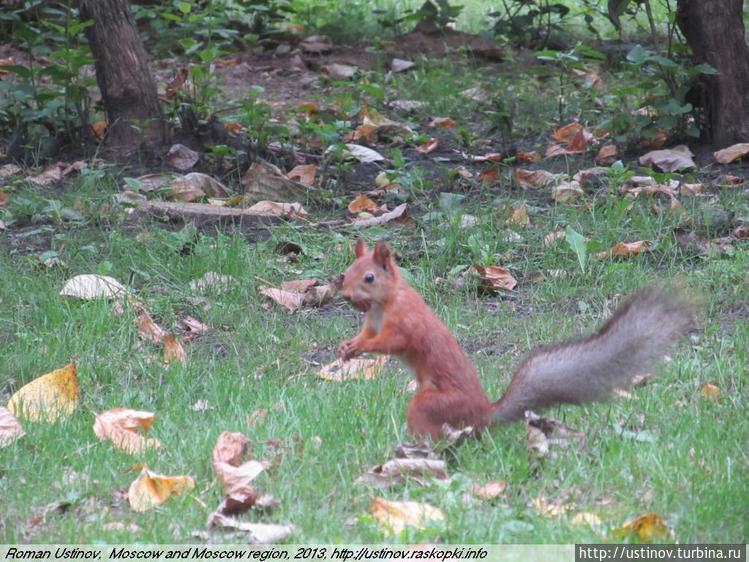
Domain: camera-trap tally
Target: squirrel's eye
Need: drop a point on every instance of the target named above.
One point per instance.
(369, 277)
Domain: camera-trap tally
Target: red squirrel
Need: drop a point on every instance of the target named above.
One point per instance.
(398, 322)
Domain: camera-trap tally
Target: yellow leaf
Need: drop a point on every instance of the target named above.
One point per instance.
(173, 350)
(10, 428)
(710, 391)
(151, 489)
(519, 216)
(362, 203)
(394, 516)
(48, 397)
(646, 528)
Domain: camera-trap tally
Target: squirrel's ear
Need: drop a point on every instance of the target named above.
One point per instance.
(382, 253)
(360, 249)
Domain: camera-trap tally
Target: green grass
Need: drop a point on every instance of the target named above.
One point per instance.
(693, 474)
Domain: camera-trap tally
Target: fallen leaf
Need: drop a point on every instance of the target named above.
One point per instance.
(151, 489)
(398, 213)
(303, 173)
(519, 215)
(290, 300)
(528, 157)
(533, 179)
(359, 368)
(148, 330)
(236, 474)
(477, 94)
(547, 436)
(590, 177)
(550, 509)
(608, 154)
(181, 157)
(340, 71)
(173, 350)
(407, 106)
(399, 65)
(364, 154)
(120, 426)
(93, 286)
(394, 516)
(10, 427)
(669, 160)
(362, 203)
(495, 277)
(710, 392)
(375, 126)
(397, 470)
(554, 237)
(258, 533)
(193, 326)
(691, 189)
(51, 174)
(48, 397)
(571, 139)
(490, 490)
(428, 146)
(731, 153)
(625, 249)
(99, 129)
(590, 78)
(647, 528)
(195, 185)
(443, 122)
(265, 182)
(8, 170)
(286, 210)
(566, 191)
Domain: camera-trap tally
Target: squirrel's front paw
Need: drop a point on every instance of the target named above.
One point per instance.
(347, 350)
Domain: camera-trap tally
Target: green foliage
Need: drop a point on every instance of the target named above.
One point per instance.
(47, 101)
(529, 23)
(221, 23)
(657, 87)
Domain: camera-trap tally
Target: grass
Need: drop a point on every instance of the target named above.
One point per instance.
(690, 464)
(693, 473)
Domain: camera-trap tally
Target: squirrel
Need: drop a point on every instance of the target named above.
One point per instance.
(398, 322)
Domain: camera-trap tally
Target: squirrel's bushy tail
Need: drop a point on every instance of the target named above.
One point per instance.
(641, 332)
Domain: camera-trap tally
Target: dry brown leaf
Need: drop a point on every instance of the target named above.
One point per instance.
(148, 330)
(151, 489)
(375, 126)
(286, 210)
(495, 277)
(231, 448)
(554, 237)
(258, 533)
(608, 154)
(394, 516)
(566, 191)
(691, 189)
(488, 157)
(396, 470)
(647, 528)
(528, 157)
(48, 397)
(120, 426)
(519, 215)
(625, 249)
(573, 138)
(298, 285)
(710, 392)
(99, 129)
(399, 65)
(193, 327)
(290, 300)
(10, 427)
(235, 475)
(669, 160)
(265, 182)
(547, 436)
(8, 170)
(362, 203)
(399, 213)
(592, 177)
(303, 173)
(340, 71)
(443, 122)
(359, 368)
(490, 490)
(173, 350)
(181, 157)
(533, 179)
(428, 146)
(731, 153)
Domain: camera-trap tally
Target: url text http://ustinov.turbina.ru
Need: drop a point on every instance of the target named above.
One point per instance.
(660, 553)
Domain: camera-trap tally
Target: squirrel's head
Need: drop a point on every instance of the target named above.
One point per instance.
(372, 276)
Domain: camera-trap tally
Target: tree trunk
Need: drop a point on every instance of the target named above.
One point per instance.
(127, 88)
(714, 30)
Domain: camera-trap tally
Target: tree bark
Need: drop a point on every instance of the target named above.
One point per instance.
(128, 90)
(714, 30)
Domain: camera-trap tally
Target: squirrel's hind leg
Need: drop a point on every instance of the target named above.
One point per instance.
(430, 408)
